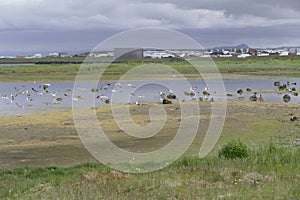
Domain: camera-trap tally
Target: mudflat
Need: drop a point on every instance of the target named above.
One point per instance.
(50, 138)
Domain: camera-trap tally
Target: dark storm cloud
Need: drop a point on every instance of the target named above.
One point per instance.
(77, 24)
(262, 37)
(94, 14)
(265, 8)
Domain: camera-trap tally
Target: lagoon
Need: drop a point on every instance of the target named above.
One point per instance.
(15, 64)
(19, 97)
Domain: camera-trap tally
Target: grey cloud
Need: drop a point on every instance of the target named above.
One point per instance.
(37, 41)
(275, 36)
(77, 24)
(267, 8)
(92, 14)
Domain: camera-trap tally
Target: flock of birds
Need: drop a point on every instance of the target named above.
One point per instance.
(288, 89)
(24, 96)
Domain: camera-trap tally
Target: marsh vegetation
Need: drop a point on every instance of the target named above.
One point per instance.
(42, 156)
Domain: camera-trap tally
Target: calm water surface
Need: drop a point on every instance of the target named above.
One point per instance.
(23, 97)
(15, 64)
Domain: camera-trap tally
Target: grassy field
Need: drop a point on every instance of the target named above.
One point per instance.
(49, 140)
(34, 60)
(274, 66)
(270, 172)
(42, 156)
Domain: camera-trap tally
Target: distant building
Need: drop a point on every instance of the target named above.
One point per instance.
(244, 50)
(226, 52)
(244, 55)
(252, 51)
(263, 54)
(53, 55)
(293, 50)
(205, 56)
(225, 56)
(159, 54)
(100, 54)
(20, 56)
(2, 57)
(284, 53)
(127, 54)
(271, 51)
(64, 55)
(37, 55)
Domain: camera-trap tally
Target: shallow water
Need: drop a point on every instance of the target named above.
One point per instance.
(24, 97)
(15, 64)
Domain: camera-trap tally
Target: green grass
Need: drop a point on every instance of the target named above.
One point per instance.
(270, 172)
(33, 60)
(274, 65)
(234, 149)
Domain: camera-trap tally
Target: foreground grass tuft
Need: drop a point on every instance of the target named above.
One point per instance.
(234, 149)
(269, 172)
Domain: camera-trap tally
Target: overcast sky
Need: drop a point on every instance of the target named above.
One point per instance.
(64, 25)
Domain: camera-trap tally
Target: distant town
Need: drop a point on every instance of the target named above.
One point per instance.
(239, 51)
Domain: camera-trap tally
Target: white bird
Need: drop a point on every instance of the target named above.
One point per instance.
(130, 85)
(4, 97)
(12, 98)
(104, 87)
(20, 105)
(53, 94)
(161, 94)
(102, 97)
(55, 101)
(82, 89)
(37, 92)
(75, 99)
(25, 92)
(118, 85)
(192, 89)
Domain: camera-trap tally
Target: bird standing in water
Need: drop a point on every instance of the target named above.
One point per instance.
(260, 98)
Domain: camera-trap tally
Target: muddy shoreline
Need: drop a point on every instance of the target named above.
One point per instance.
(50, 138)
